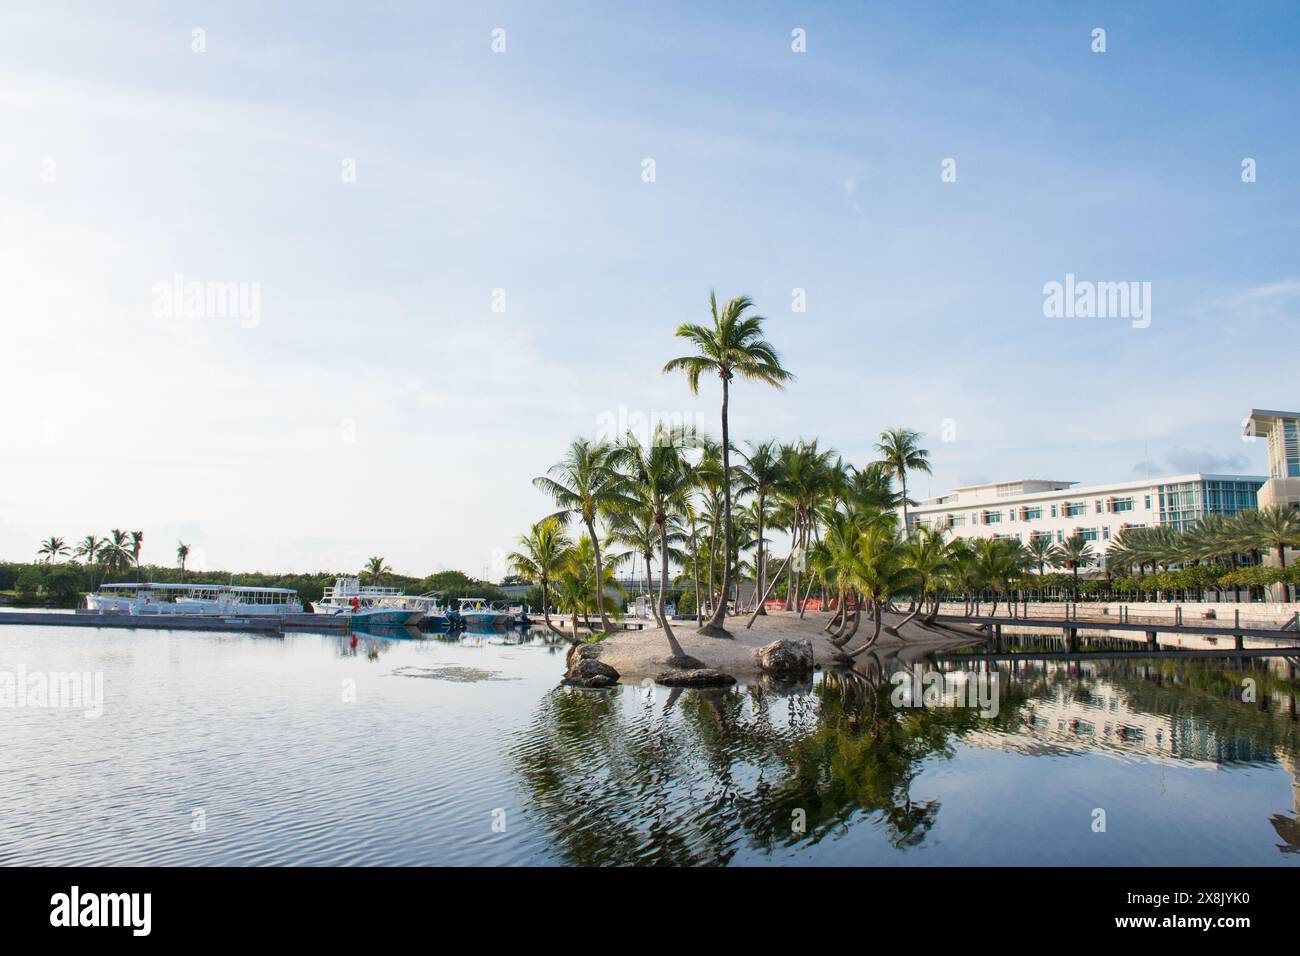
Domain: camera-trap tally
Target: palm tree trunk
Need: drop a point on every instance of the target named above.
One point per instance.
(654, 605)
(760, 568)
(546, 613)
(875, 633)
(902, 480)
(716, 626)
(600, 577)
(763, 599)
(803, 605)
(675, 647)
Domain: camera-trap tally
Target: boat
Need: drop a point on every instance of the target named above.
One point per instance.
(223, 599)
(480, 613)
(367, 617)
(339, 598)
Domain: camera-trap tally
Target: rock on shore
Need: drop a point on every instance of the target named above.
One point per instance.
(785, 658)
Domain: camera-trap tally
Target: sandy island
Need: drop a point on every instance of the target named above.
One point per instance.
(639, 654)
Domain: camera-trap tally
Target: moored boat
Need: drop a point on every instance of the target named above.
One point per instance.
(223, 599)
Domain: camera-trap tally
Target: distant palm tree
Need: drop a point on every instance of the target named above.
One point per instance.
(52, 549)
(733, 346)
(89, 550)
(1073, 553)
(116, 554)
(137, 541)
(900, 450)
(1276, 527)
(586, 484)
(182, 553)
(543, 553)
(1040, 551)
(375, 570)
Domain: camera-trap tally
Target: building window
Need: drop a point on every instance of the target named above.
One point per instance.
(993, 517)
(1121, 504)
(1033, 514)
(1147, 504)
(1088, 534)
(1098, 510)
(1053, 511)
(957, 521)
(1076, 508)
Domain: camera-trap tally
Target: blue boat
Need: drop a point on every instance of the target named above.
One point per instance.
(385, 617)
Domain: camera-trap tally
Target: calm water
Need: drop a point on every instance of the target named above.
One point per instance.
(309, 750)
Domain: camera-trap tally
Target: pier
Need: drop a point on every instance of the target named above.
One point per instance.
(248, 623)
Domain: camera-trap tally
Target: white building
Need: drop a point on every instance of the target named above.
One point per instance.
(1060, 509)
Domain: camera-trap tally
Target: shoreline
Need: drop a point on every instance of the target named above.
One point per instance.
(640, 654)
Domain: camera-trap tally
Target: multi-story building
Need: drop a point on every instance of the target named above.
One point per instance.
(1282, 429)
(1058, 510)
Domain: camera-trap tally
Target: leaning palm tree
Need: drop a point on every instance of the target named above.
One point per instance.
(900, 450)
(376, 569)
(52, 549)
(182, 555)
(543, 553)
(879, 572)
(585, 483)
(733, 346)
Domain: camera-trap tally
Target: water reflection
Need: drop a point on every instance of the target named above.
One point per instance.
(629, 776)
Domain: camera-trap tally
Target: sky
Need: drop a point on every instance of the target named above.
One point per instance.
(458, 236)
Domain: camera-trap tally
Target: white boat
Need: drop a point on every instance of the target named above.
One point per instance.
(347, 595)
(223, 599)
(476, 612)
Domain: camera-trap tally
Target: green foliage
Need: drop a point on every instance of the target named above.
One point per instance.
(458, 584)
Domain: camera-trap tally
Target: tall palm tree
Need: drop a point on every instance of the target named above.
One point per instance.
(762, 473)
(585, 483)
(376, 569)
(182, 555)
(900, 450)
(660, 475)
(52, 549)
(733, 346)
(137, 541)
(543, 553)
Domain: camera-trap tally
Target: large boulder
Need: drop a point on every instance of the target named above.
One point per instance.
(589, 672)
(785, 658)
(695, 677)
(581, 651)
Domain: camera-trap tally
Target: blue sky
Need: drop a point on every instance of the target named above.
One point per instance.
(379, 404)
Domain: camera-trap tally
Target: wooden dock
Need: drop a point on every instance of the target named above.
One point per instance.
(249, 623)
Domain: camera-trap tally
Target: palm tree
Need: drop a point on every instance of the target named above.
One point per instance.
(900, 450)
(927, 557)
(660, 475)
(1040, 551)
(1073, 553)
(137, 541)
(89, 549)
(582, 584)
(116, 554)
(585, 483)
(1276, 527)
(878, 571)
(543, 555)
(52, 549)
(182, 554)
(762, 473)
(733, 346)
(376, 569)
